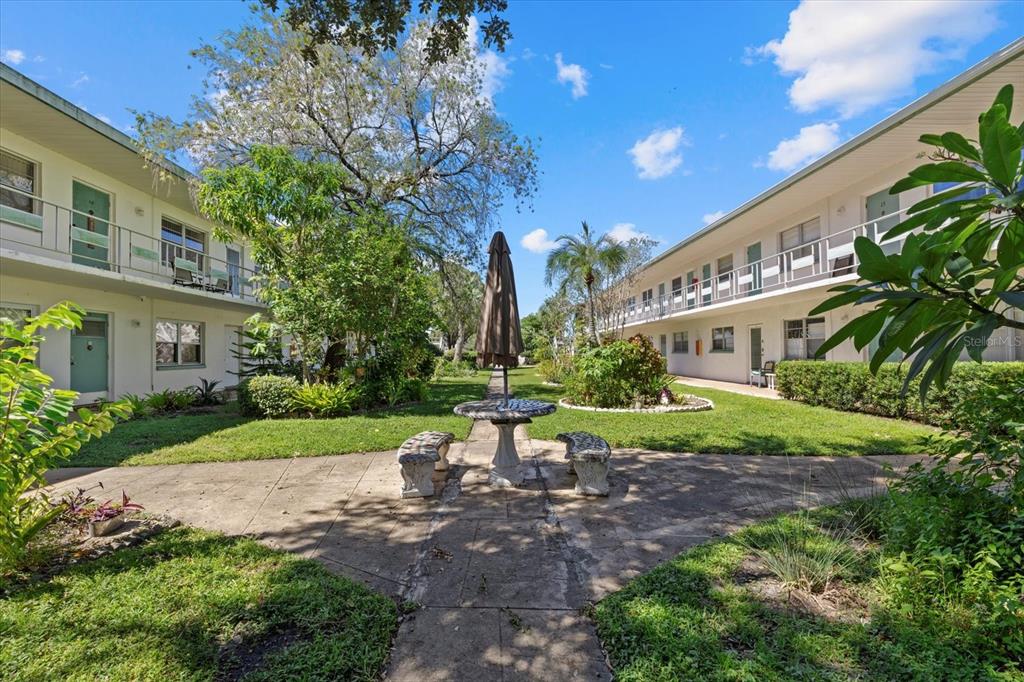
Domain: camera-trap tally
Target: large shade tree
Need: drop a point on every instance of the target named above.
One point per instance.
(458, 294)
(377, 25)
(418, 139)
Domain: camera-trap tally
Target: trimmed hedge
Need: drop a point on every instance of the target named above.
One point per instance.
(850, 386)
(267, 396)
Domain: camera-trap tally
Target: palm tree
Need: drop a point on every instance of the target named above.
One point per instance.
(582, 260)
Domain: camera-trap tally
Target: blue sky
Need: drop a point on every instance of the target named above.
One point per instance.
(647, 116)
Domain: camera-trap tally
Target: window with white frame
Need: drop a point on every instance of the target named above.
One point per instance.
(723, 340)
(179, 241)
(178, 343)
(631, 305)
(804, 337)
(16, 313)
(19, 183)
(680, 342)
(677, 287)
(797, 240)
(646, 298)
(663, 344)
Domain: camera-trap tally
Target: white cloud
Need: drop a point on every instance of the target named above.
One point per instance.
(854, 56)
(574, 74)
(493, 67)
(624, 232)
(657, 155)
(81, 80)
(712, 217)
(528, 54)
(537, 241)
(14, 57)
(811, 142)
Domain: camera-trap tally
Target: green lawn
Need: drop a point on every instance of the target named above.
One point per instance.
(227, 436)
(192, 605)
(692, 618)
(738, 424)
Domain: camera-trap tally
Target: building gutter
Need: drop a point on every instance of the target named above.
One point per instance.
(951, 87)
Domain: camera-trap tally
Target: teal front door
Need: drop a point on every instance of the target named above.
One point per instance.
(753, 256)
(879, 205)
(89, 355)
(90, 226)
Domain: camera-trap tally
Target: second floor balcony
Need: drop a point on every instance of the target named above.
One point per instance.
(35, 227)
(822, 262)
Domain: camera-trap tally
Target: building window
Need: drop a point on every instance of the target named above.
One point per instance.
(681, 342)
(677, 287)
(797, 240)
(723, 340)
(16, 313)
(971, 193)
(724, 267)
(19, 183)
(179, 343)
(646, 297)
(631, 305)
(804, 337)
(663, 344)
(178, 241)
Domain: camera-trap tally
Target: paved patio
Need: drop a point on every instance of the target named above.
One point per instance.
(501, 574)
(731, 387)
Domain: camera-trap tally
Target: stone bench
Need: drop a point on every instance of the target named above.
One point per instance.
(588, 457)
(418, 457)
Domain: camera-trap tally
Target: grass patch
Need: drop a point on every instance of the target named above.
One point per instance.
(695, 618)
(739, 424)
(226, 435)
(192, 605)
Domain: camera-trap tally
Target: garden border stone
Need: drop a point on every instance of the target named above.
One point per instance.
(703, 405)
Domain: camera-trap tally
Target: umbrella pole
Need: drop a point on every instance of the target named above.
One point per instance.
(504, 376)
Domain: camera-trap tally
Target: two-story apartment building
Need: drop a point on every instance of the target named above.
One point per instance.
(738, 292)
(83, 219)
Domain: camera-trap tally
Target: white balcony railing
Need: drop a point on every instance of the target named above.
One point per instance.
(824, 259)
(72, 236)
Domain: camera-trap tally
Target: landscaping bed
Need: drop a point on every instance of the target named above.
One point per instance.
(739, 424)
(193, 605)
(226, 435)
(721, 612)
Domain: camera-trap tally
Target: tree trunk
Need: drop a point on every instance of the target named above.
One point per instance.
(460, 342)
(593, 312)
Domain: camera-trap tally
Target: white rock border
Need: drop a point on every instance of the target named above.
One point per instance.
(703, 405)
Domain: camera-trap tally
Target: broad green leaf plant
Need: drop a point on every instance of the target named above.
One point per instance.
(960, 273)
(35, 431)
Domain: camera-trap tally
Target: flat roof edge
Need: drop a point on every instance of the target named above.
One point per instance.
(950, 87)
(55, 101)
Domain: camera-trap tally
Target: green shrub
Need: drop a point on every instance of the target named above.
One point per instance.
(35, 433)
(325, 400)
(555, 370)
(267, 396)
(618, 374)
(446, 367)
(850, 386)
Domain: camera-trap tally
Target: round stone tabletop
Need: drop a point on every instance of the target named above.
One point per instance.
(496, 410)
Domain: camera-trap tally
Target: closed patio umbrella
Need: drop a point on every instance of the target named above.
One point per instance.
(499, 340)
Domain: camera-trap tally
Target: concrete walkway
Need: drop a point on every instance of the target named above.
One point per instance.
(731, 387)
(501, 574)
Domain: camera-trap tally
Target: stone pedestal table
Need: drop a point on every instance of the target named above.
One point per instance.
(505, 469)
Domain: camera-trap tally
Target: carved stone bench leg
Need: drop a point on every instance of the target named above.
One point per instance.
(442, 464)
(592, 476)
(568, 456)
(416, 481)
